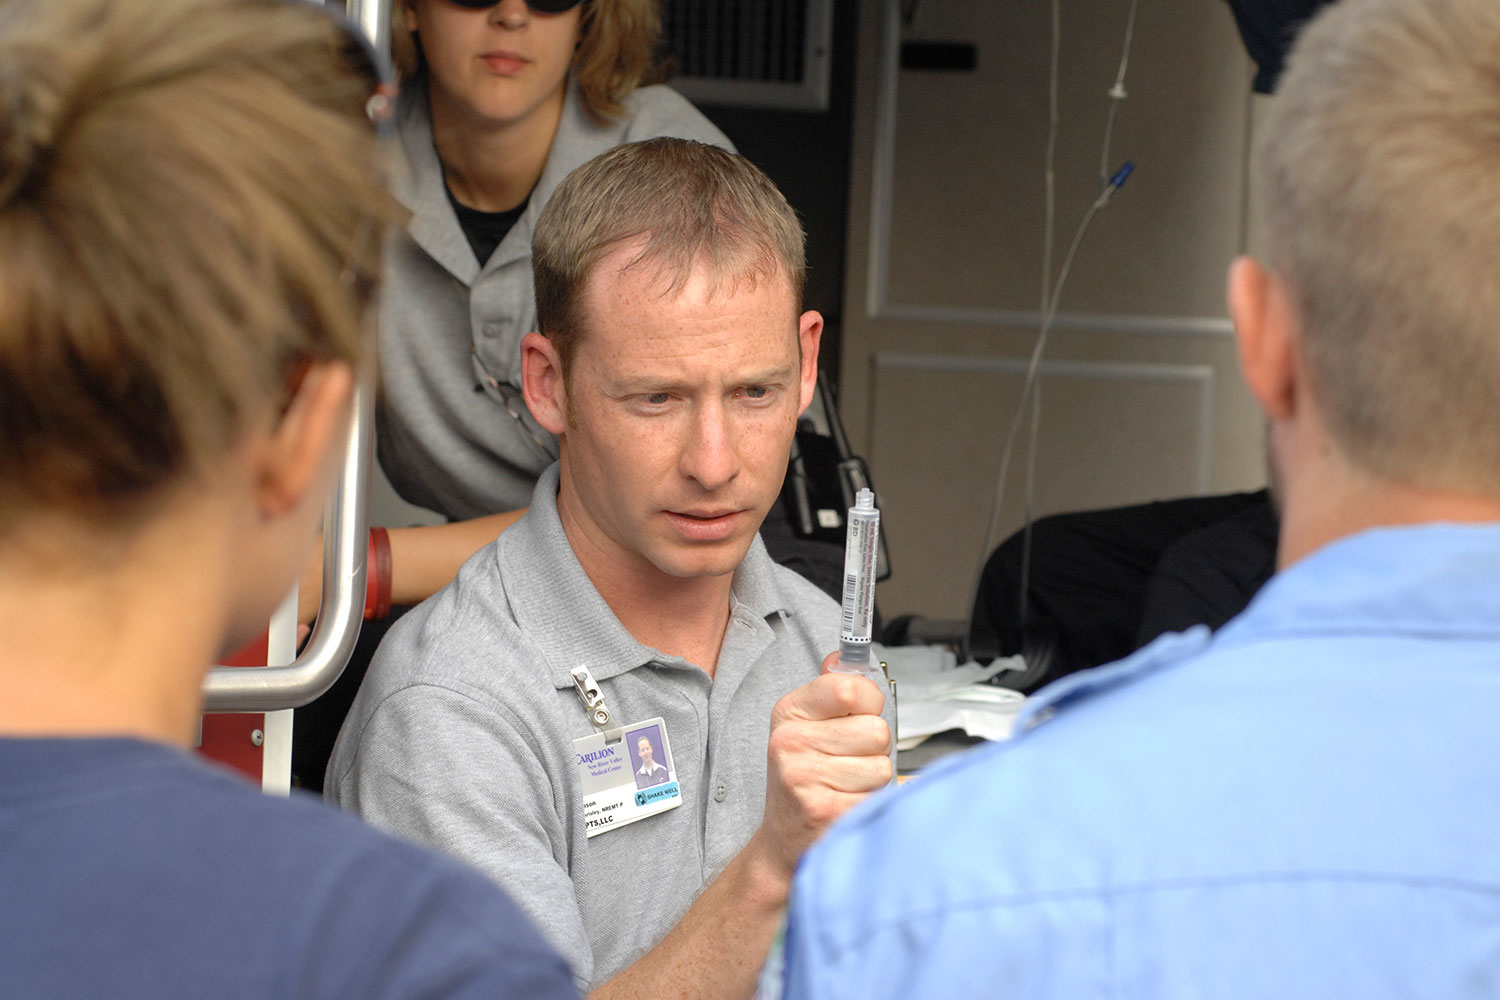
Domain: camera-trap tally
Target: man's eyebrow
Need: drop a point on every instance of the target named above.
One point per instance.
(771, 376)
(628, 385)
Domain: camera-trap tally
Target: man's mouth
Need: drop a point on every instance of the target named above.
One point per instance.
(707, 525)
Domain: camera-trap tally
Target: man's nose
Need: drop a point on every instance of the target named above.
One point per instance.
(709, 455)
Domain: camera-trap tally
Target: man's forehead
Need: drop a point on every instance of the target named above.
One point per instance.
(623, 277)
(637, 328)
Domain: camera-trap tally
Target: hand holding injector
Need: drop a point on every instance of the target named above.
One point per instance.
(829, 746)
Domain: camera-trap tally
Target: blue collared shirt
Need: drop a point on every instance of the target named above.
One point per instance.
(1306, 804)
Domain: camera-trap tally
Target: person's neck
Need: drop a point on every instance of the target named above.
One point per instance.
(100, 651)
(679, 616)
(1338, 501)
(491, 166)
(685, 618)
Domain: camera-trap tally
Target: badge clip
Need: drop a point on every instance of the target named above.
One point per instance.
(591, 696)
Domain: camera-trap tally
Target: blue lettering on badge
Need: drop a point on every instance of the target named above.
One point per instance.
(649, 795)
(594, 756)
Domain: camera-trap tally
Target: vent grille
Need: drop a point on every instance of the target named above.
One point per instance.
(751, 53)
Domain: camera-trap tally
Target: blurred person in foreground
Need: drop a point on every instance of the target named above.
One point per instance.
(191, 215)
(1302, 804)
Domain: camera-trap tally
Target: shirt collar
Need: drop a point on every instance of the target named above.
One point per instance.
(1383, 580)
(1379, 581)
(419, 187)
(557, 606)
(1165, 650)
(578, 139)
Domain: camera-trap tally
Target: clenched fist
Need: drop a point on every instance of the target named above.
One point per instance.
(829, 748)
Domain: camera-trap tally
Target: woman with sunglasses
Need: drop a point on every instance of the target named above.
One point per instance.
(500, 101)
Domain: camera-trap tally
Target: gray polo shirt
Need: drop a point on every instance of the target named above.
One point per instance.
(461, 736)
(443, 445)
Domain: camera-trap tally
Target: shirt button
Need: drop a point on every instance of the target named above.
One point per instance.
(491, 329)
(721, 793)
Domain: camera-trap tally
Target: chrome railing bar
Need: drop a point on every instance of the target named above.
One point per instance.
(314, 671)
(345, 534)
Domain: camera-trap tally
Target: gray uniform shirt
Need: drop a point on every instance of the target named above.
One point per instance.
(447, 324)
(462, 735)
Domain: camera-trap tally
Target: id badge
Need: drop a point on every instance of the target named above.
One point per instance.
(626, 775)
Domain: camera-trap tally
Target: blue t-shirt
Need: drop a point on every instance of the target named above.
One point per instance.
(129, 869)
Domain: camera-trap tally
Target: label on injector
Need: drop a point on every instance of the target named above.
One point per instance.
(859, 580)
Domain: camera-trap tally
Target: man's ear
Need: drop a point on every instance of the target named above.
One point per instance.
(294, 454)
(809, 337)
(542, 383)
(1265, 333)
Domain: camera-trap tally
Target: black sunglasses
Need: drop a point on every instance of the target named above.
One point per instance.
(540, 6)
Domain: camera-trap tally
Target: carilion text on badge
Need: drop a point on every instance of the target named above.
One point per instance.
(594, 756)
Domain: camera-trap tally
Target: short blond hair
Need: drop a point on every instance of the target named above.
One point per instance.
(1380, 167)
(190, 209)
(688, 204)
(617, 52)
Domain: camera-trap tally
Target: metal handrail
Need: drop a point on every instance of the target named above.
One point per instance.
(334, 634)
(373, 17)
(314, 671)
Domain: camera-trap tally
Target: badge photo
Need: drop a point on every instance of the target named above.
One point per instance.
(648, 757)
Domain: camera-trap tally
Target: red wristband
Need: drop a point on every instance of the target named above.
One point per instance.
(378, 575)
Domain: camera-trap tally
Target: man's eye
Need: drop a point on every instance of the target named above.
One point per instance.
(658, 398)
(756, 391)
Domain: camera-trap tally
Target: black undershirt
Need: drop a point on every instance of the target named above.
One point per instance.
(484, 230)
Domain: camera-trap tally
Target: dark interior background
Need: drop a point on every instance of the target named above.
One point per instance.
(807, 154)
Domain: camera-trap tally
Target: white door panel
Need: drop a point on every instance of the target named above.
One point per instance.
(1140, 394)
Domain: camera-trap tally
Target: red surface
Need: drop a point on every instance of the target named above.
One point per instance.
(226, 738)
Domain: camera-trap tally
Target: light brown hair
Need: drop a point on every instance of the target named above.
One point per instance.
(689, 203)
(1380, 170)
(190, 208)
(617, 52)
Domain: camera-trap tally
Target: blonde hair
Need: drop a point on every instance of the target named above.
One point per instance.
(687, 202)
(617, 52)
(190, 208)
(1380, 166)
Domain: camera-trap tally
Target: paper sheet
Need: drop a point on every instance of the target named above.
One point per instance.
(935, 693)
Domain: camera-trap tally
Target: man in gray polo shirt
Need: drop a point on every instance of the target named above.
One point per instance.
(635, 601)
